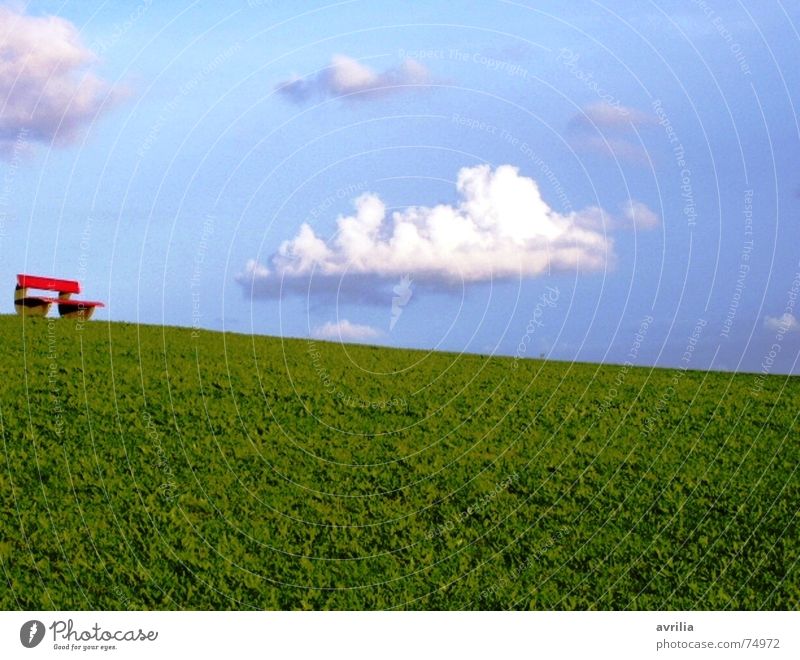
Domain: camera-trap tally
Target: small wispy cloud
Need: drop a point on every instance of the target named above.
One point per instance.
(344, 330)
(347, 77)
(785, 323)
(610, 147)
(632, 215)
(610, 130)
(601, 114)
(640, 215)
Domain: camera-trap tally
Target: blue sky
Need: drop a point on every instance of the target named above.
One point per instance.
(626, 163)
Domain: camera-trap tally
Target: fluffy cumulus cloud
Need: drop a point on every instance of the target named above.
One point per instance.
(345, 331)
(345, 76)
(500, 228)
(47, 92)
(611, 130)
(785, 323)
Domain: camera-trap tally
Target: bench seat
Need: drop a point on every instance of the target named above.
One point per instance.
(66, 302)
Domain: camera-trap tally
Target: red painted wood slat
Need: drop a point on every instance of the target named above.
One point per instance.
(48, 283)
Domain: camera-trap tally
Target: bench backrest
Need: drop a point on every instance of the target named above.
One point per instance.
(48, 283)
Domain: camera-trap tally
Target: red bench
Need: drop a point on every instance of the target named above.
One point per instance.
(40, 305)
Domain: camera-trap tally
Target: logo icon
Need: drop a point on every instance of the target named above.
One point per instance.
(403, 292)
(31, 633)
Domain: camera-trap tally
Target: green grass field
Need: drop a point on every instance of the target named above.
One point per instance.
(147, 468)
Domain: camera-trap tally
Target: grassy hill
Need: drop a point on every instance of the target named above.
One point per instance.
(145, 467)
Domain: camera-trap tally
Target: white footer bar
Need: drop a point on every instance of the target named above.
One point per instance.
(400, 635)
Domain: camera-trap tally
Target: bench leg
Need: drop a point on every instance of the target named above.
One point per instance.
(40, 309)
(73, 312)
(25, 306)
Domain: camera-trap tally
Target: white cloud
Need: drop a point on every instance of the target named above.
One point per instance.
(640, 215)
(346, 76)
(345, 331)
(611, 130)
(615, 148)
(47, 91)
(632, 214)
(500, 228)
(615, 116)
(786, 323)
